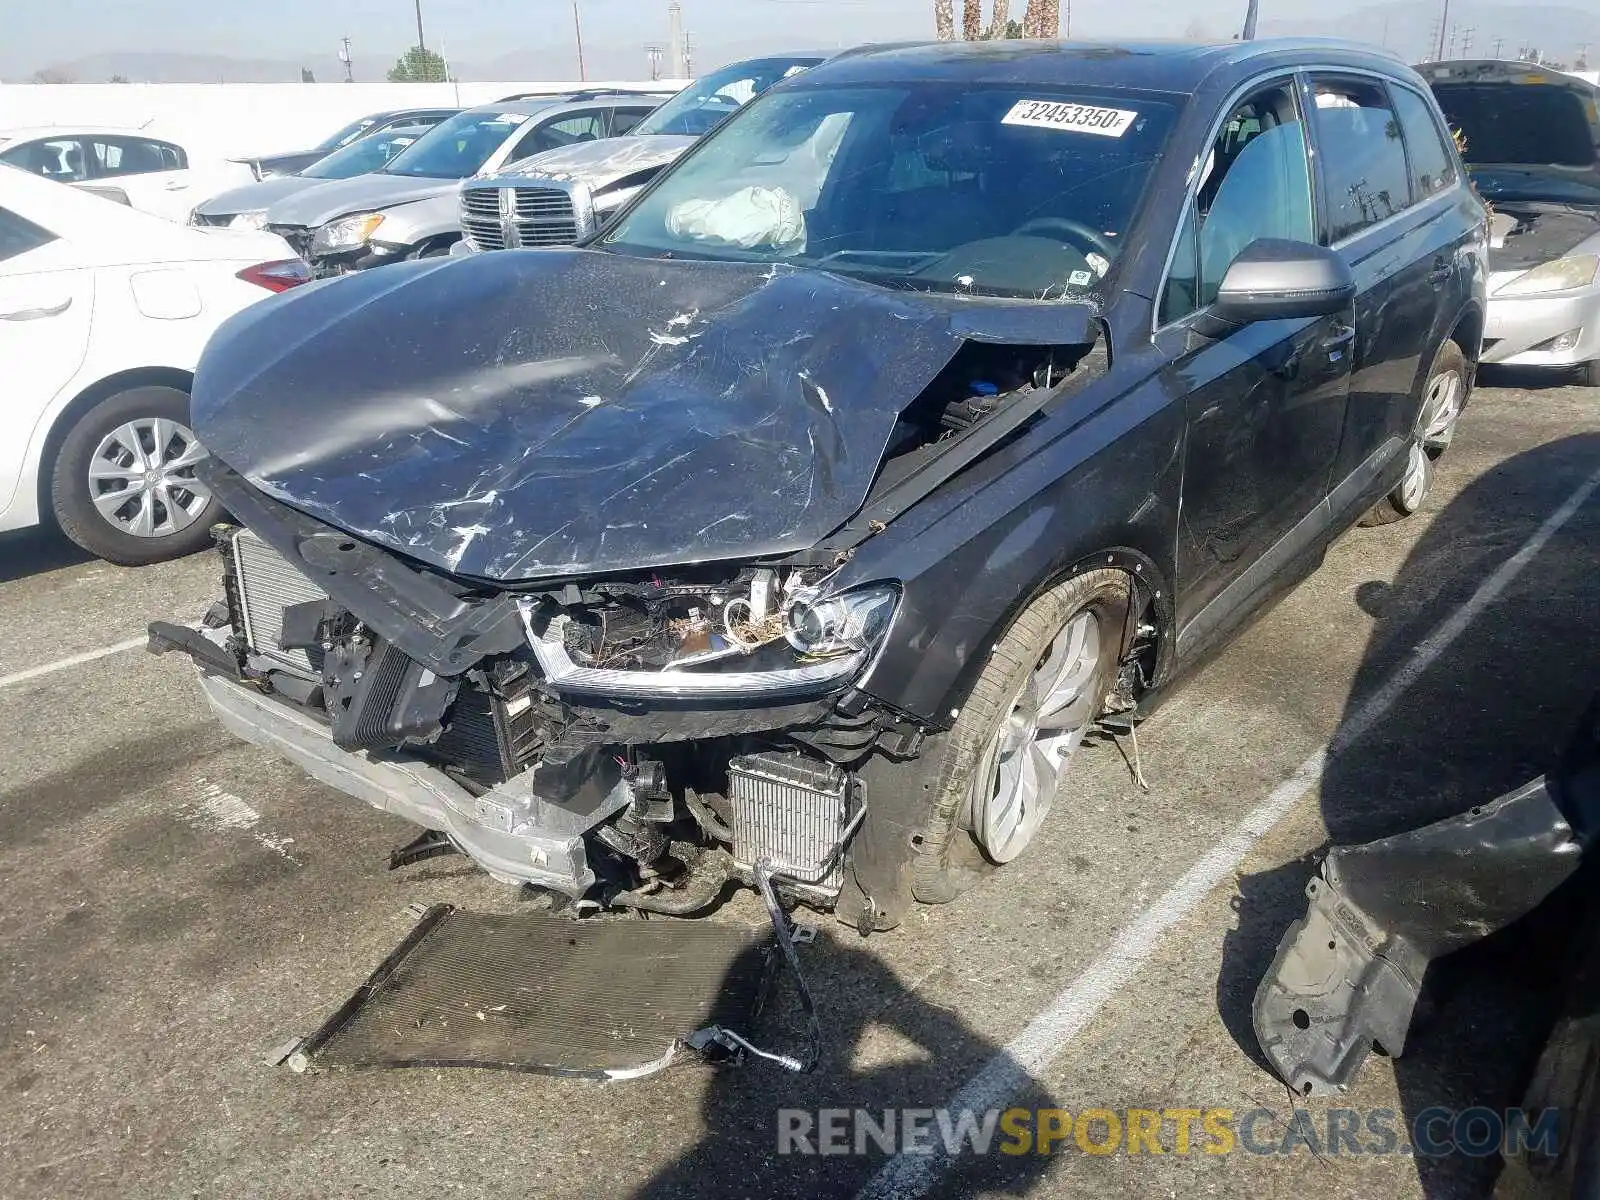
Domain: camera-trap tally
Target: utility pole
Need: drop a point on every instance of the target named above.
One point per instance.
(1444, 25)
(1466, 40)
(577, 28)
(1252, 14)
(655, 52)
(1499, 44)
(344, 57)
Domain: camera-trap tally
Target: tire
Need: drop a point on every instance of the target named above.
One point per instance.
(1445, 393)
(167, 513)
(960, 768)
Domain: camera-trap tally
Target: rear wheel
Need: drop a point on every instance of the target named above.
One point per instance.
(993, 779)
(123, 486)
(1444, 395)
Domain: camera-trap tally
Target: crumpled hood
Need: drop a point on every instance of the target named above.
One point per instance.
(530, 414)
(360, 193)
(603, 163)
(254, 197)
(1526, 233)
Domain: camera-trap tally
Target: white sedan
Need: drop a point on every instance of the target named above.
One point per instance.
(149, 173)
(103, 314)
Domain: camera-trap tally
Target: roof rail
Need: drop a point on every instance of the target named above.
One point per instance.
(585, 94)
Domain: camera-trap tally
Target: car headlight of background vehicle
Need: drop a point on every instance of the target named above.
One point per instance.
(347, 233)
(250, 220)
(1563, 275)
(848, 623)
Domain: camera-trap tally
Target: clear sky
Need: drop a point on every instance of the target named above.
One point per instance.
(36, 32)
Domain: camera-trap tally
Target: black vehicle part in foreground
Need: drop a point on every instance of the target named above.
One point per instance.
(1348, 976)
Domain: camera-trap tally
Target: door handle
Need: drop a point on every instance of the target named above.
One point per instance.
(177, 186)
(1441, 273)
(35, 314)
(1342, 337)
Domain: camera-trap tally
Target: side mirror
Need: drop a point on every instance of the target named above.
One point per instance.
(1274, 280)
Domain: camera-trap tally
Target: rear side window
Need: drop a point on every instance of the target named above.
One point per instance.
(623, 120)
(1363, 155)
(1433, 163)
(18, 235)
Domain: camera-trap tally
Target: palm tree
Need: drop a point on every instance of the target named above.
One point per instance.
(944, 20)
(972, 20)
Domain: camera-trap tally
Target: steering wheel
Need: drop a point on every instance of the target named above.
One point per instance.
(1076, 231)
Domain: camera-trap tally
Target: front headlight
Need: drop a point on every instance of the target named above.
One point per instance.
(250, 220)
(346, 233)
(849, 623)
(1563, 275)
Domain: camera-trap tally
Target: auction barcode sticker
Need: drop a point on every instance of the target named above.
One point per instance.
(1073, 118)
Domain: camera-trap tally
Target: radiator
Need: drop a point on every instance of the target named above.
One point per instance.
(266, 585)
(794, 811)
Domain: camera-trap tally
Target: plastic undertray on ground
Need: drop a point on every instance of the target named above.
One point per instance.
(530, 992)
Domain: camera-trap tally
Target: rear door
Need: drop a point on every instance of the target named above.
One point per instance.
(1388, 212)
(44, 334)
(154, 174)
(1266, 401)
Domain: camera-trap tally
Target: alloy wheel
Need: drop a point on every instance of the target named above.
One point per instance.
(1022, 768)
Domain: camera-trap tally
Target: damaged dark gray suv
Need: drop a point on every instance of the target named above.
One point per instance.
(947, 401)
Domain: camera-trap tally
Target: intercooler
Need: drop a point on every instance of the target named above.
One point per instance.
(795, 812)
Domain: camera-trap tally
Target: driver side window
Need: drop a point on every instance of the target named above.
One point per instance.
(1254, 183)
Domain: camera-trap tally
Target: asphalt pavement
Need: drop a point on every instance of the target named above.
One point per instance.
(176, 905)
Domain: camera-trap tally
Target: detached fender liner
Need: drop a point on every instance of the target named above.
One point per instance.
(1349, 973)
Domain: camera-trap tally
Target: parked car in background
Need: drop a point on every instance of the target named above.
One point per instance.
(246, 207)
(814, 512)
(148, 173)
(1533, 146)
(266, 166)
(409, 209)
(103, 314)
(560, 196)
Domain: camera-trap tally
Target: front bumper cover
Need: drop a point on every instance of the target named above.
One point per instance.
(1517, 324)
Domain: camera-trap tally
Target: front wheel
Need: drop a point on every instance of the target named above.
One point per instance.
(124, 487)
(1444, 396)
(994, 778)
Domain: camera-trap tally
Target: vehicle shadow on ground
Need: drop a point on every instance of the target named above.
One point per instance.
(1493, 712)
(884, 1048)
(35, 551)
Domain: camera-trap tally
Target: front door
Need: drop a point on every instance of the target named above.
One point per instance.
(1266, 401)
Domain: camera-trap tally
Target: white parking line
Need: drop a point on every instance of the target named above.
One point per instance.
(907, 1176)
(77, 660)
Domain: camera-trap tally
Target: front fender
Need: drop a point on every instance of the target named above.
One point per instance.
(421, 220)
(1098, 479)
